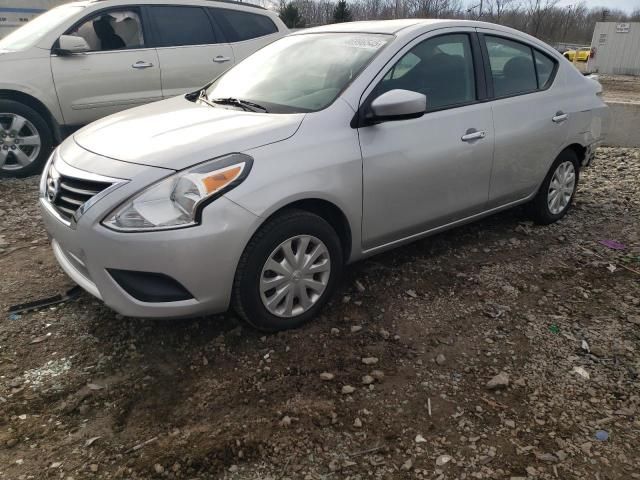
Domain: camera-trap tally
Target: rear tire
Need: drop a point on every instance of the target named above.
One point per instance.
(25, 140)
(555, 197)
(288, 271)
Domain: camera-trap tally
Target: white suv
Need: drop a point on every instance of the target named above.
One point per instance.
(85, 60)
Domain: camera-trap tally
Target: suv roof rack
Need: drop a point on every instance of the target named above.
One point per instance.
(233, 2)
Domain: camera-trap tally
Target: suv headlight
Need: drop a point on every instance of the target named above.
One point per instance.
(176, 201)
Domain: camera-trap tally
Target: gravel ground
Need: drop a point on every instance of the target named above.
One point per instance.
(497, 350)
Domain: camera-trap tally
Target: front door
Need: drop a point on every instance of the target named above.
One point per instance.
(423, 173)
(118, 73)
(191, 52)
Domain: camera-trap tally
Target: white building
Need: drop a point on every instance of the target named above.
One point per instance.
(617, 49)
(15, 13)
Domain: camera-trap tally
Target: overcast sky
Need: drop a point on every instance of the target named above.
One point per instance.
(626, 5)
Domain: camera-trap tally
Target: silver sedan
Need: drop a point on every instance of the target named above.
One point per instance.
(327, 146)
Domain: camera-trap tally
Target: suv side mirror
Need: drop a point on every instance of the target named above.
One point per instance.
(398, 105)
(70, 44)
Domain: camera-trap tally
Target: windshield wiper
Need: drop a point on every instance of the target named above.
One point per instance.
(203, 98)
(244, 104)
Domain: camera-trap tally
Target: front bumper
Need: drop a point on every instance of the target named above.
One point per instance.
(203, 258)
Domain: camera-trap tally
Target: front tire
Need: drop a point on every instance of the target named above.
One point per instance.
(25, 140)
(288, 271)
(555, 197)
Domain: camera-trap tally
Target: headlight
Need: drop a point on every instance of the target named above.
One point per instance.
(177, 201)
(45, 174)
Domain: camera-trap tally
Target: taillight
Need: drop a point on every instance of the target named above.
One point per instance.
(593, 52)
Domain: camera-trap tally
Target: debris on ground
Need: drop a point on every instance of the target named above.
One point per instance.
(111, 397)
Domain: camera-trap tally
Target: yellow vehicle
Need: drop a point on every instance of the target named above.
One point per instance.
(583, 54)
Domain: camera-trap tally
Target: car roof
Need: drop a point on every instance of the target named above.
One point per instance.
(410, 26)
(375, 26)
(395, 26)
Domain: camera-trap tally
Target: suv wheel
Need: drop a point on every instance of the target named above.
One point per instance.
(288, 271)
(25, 140)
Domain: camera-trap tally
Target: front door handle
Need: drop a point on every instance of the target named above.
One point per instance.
(142, 64)
(472, 135)
(221, 59)
(559, 117)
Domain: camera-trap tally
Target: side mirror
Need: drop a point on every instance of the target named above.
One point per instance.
(399, 105)
(70, 44)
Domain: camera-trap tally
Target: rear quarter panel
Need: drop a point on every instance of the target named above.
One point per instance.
(589, 115)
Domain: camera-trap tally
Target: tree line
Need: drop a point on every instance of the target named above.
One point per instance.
(544, 19)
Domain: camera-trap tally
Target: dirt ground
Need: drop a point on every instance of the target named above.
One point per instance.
(621, 88)
(410, 344)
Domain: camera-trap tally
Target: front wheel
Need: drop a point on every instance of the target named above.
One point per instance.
(555, 196)
(25, 140)
(288, 271)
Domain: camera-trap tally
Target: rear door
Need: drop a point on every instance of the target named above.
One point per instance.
(119, 72)
(529, 114)
(190, 50)
(245, 31)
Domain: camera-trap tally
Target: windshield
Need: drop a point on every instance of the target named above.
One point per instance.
(29, 34)
(300, 73)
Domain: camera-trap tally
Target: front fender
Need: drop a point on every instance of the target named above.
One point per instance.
(31, 76)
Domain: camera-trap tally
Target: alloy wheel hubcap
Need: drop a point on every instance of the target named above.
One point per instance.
(295, 276)
(20, 142)
(561, 188)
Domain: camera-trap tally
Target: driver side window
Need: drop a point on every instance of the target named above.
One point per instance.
(440, 68)
(112, 30)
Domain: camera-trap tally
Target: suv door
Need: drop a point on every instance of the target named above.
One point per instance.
(246, 31)
(191, 52)
(118, 72)
(528, 114)
(422, 173)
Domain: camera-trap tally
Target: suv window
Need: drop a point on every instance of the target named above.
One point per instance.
(238, 26)
(512, 67)
(112, 30)
(440, 67)
(179, 26)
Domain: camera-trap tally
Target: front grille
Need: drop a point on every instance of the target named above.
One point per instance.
(67, 194)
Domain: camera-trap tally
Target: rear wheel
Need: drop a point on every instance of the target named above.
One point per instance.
(25, 140)
(555, 197)
(288, 271)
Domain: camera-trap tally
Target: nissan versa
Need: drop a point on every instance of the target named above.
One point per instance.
(327, 146)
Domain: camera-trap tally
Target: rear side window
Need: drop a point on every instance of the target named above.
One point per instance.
(238, 26)
(545, 67)
(179, 26)
(512, 67)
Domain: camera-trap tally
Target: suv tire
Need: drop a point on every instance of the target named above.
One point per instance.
(25, 140)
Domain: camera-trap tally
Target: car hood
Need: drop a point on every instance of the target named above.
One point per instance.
(178, 133)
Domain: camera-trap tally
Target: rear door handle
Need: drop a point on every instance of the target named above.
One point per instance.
(221, 59)
(141, 64)
(472, 135)
(559, 117)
